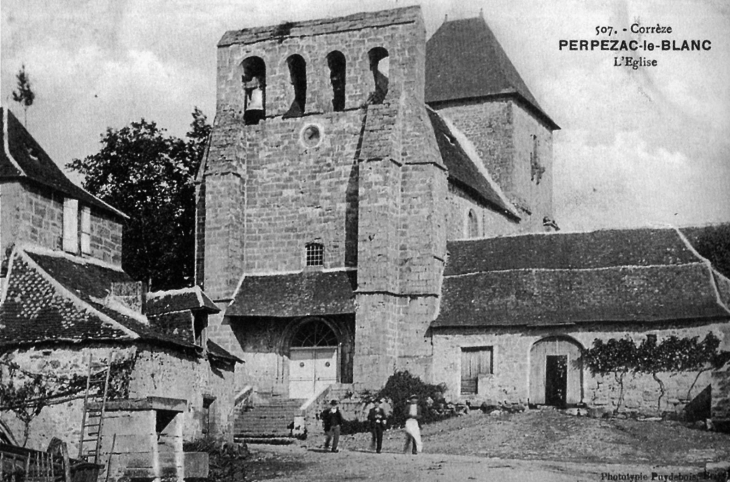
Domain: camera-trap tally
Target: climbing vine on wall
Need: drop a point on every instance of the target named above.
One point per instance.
(26, 393)
(671, 356)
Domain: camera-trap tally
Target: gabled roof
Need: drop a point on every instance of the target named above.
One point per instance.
(463, 170)
(22, 158)
(640, 275)
(184, 299)
(464, 60)
(51, 296)
(296, 294)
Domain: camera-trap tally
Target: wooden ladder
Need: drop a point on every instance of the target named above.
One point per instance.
(93, 419)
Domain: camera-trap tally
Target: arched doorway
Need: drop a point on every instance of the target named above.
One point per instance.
(313, 355)
(556, 372)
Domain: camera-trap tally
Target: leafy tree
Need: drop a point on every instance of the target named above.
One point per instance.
(24, 95)
(616, 357)
(150, 176)
(400, 386)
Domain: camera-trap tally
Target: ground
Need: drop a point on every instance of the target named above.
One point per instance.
(544, 445)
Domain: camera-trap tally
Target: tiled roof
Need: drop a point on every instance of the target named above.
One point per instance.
(22, 158)
(321, 26)
(463, 170)
(52, 297)
(179, 300)
(464, 60)
(642, 275)
(217, 351)
(298, 294)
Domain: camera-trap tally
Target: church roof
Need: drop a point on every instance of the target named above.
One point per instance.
(640, 275)
(463, 170)
(464, 60)
(22, 158)
(296, 294)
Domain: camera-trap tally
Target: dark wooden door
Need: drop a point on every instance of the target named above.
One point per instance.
(556, 380)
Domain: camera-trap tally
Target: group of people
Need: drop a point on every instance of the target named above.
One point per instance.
(378, 417)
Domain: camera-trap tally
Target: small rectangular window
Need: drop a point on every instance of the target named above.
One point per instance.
(85, 230)
(71, 225)
(315, 254)
(475, 361)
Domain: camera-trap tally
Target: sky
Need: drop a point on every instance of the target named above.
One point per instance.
(640, 147)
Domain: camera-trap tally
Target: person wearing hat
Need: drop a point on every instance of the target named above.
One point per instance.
(333, 420)
(378, 418)
(413, 430)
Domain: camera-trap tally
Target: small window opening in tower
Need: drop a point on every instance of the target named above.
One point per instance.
(315, 254)
(298, 77)
(380, 67)
(336, 62)
(472, 225)
(536, 169)
(254, 90)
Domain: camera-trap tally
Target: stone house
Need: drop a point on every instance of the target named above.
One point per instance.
(67, 302)
(372, 201)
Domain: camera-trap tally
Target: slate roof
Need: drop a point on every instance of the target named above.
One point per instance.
(321, 26)
(463, 170)
(297, 294)
(179, 300)
(640, 275)
(54, 297)
(464, 60)
(22, 158)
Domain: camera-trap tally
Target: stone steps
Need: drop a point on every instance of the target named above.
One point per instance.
(272, 419)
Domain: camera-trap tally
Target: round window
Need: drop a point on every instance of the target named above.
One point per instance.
(311, 135)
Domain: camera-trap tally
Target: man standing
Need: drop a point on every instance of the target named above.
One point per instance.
(413, 431)
(378, 419)
(332, 419)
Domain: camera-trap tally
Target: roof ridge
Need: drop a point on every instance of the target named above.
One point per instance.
(598, 268)
(78, 302)
(712, 271)
(6, 142)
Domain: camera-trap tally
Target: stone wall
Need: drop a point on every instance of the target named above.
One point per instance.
(34, 214)
(491, 223)
(157, 372)
(510, 380)
(507, 138)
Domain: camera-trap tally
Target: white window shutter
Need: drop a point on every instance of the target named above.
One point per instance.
(85, 230)
(71, 225)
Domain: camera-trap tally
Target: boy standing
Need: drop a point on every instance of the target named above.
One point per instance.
(378, 419)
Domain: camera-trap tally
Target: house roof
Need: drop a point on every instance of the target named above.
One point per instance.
(179, 300)
(321, 26)
(641, 275)
(296, 294)
(464, 60)
(463, 169)
(22, 158)
(51, 296)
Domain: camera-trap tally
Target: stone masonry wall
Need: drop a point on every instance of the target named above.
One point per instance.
(491, 223)
(157, 372)
(34, 214)
(505, 135)
(510, 380)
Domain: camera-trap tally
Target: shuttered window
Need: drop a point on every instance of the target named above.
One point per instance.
(85, 230)
(475, 361)
(71, 225)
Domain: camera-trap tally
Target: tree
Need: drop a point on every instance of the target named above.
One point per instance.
(24, 95)
(150, 176)
(617, 357)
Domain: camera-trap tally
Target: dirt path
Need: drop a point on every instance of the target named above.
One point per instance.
(534, 445)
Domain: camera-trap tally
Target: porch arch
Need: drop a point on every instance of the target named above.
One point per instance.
(556, 371)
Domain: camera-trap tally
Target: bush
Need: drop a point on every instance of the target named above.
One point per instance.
(400, 386)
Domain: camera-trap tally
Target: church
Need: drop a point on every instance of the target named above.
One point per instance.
(373, 201)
